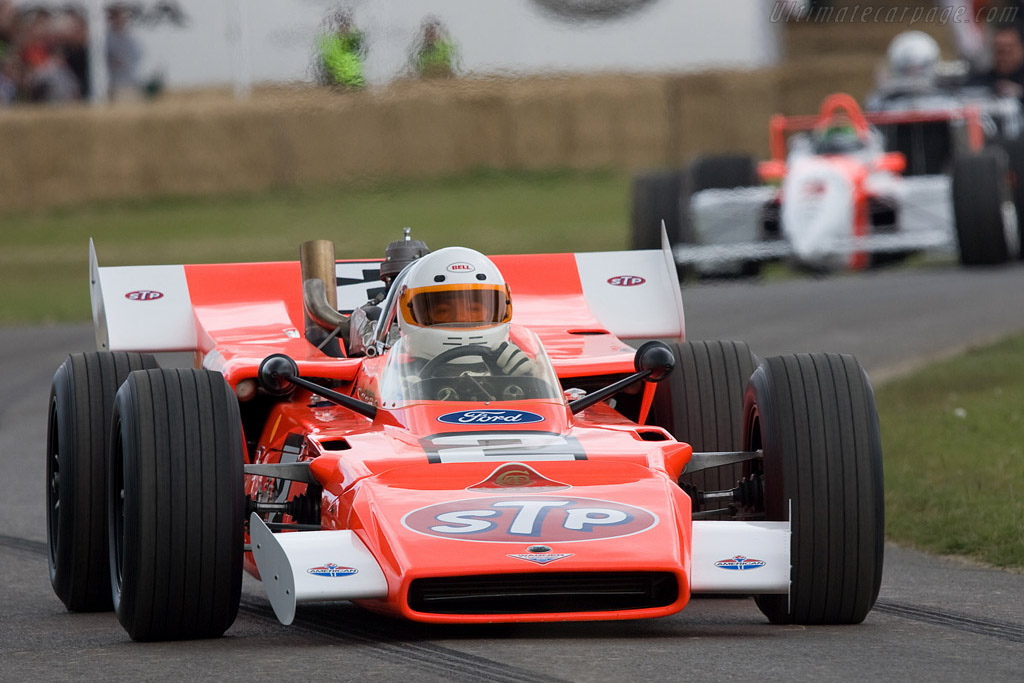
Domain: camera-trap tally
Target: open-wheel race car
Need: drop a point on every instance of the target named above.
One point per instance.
(832, 197)
(425, 448)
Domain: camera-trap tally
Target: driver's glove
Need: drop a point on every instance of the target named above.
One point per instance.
(512, 361)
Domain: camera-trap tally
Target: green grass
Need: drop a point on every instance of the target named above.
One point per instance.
(44, 255)
(953, 439)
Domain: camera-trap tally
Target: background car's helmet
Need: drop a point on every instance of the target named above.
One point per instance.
(838, 139)
(913, 58)
(453, 297)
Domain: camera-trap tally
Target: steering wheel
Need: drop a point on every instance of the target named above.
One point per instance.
(489, 357)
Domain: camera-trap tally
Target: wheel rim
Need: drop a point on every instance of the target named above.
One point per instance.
(53, 481)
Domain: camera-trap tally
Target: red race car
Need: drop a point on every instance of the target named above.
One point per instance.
(448, 437)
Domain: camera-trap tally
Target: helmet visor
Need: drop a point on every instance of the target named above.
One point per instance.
(456, 306)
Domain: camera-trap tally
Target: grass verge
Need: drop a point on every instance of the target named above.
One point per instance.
(44, 255)
(953, 439)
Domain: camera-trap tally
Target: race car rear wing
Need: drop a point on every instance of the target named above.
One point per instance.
(630, 294)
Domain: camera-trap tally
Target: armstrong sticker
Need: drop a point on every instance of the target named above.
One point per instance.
(332, 570)
(740, 563)
(626, 280)
(540, 558)
(144, 295)
(490, 417)
(546, 519)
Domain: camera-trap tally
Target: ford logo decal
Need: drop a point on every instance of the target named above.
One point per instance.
(490, 417)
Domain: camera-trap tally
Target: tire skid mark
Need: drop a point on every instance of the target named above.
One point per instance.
(960, 622)
(452, 664)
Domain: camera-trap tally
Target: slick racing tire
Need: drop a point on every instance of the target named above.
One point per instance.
(655, 199)
(979, 186)
(814, 417)
(77, 437)
(723, 172)
(176, 505)
(701, 403)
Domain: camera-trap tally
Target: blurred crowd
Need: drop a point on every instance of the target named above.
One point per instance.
(44, 53)
(342, 48)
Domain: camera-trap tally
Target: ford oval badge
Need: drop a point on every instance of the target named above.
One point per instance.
(490, 417)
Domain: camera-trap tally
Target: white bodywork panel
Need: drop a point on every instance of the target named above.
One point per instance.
(287, 563)
(652, 309)
(729, 221)
(740, 557)
(125, 315)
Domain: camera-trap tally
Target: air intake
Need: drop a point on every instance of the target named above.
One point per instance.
(543, 593)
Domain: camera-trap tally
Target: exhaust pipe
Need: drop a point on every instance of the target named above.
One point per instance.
(324, 325)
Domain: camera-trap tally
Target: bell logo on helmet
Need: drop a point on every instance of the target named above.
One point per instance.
(461, 268)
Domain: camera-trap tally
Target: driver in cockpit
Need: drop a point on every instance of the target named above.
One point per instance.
(454, 313)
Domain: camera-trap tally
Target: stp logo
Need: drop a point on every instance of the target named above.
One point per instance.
(542, 518)
(144, 295)
(626, 280)
(461, 268)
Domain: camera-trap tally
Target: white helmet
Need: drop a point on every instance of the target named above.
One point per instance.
(453, 297)
(913, 57)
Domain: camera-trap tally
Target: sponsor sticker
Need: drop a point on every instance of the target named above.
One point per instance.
(519, 476)
(460, 268)
(490, 417)
(332, 570)
(626, 280)
(144, 295)
(547, 519)
(504, 446)
(740, 563)
(541, 558)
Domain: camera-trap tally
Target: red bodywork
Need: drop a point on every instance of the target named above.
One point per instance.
(378, 476)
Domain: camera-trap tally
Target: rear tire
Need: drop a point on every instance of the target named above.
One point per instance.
(655, 199)
(701, 403)
(176, 505)
(814, 417)
(979, 186)
(77, 438)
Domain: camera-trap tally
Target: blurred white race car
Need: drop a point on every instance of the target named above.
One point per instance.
(832, 198)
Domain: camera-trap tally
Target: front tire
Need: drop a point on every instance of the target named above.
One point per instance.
(979, 188)
(77, 437)
(176, 505)
(814, 417)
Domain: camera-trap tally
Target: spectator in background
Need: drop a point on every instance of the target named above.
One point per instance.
(1006, 77)
(74, 45)
(8, 23)
(435, 54)
(10, 78)
(340, 52)
(123, 55)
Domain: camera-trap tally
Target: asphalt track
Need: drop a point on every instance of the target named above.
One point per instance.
(936, 619)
